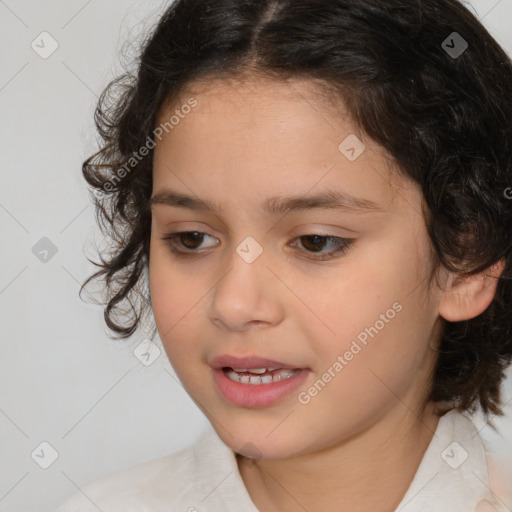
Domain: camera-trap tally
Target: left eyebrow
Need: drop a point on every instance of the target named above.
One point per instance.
(334, 200)
(276, 205)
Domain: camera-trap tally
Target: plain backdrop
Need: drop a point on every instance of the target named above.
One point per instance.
(71, 398)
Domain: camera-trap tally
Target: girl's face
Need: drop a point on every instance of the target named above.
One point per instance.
(251, 280)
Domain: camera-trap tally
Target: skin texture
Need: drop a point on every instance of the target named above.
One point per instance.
(249, 140)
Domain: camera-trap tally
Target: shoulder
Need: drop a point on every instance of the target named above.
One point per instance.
(458, 472)
(500, 483)
(498, 462)
(148, 486)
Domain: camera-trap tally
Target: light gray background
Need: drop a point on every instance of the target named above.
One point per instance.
(63, 381)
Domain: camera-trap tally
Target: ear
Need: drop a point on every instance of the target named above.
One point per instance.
(466, 297)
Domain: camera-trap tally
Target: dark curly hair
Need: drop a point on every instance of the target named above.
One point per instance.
(443, 111)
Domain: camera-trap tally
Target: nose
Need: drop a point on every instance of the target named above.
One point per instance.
(248, 295)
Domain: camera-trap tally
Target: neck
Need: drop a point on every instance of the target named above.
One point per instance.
(369, 471)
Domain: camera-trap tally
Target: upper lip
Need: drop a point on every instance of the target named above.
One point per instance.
(249, 362)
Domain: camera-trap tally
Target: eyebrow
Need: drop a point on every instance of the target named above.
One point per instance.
(276, 205)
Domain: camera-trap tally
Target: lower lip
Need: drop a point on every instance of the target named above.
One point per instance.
(256, 395)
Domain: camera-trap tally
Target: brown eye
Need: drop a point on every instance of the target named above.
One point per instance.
(185, 242)
(190, 239)
(315, 244)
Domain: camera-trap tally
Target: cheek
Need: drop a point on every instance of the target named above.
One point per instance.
(374, 315)
(371, 361)
(176, 298)
(350, 300)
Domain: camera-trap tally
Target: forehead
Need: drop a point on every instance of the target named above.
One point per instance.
(268, 137)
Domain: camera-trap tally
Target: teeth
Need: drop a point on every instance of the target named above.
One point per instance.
(256, 370)
(265, 379)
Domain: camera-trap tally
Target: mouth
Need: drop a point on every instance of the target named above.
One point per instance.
(255, 381)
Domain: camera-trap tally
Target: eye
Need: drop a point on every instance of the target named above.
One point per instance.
(190, 240)
(316, 243)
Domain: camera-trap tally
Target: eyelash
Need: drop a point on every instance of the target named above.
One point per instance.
(343, 244)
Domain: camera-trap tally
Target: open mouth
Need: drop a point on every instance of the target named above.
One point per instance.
(254, 380)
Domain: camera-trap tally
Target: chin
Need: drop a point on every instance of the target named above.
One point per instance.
(256, 443)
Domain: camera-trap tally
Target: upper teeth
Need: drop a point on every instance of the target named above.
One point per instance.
(256, 370)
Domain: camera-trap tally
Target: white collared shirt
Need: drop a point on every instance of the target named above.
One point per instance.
(457, 474)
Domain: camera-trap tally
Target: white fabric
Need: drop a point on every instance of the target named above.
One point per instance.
(204, 477)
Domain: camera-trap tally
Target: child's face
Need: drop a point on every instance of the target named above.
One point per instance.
(241, 145)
